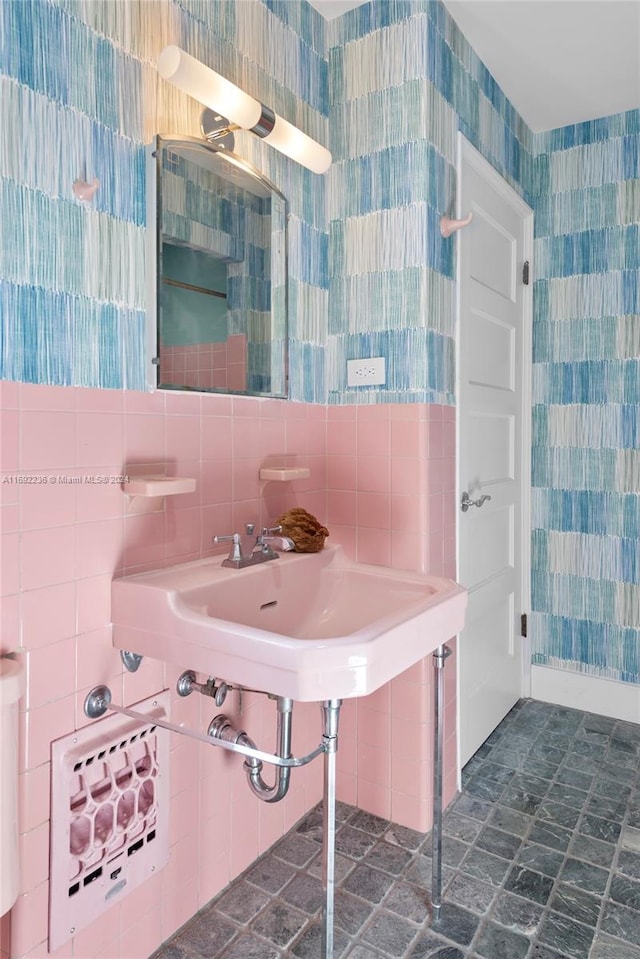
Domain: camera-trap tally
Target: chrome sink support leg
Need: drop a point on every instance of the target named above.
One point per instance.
(439, 657)
(330, 718)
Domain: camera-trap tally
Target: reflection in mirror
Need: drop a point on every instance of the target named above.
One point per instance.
(221, 273)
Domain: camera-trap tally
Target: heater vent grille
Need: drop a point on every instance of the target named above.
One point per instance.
(109, 815)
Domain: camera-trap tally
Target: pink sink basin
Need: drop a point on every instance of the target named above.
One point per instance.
(308, 626)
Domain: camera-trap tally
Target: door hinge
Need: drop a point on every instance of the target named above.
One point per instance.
(523, 625)
(525, 273)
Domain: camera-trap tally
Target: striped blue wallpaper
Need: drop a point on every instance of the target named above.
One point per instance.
(403, 81)
(387, 86)
(70, 271)
(586, 395)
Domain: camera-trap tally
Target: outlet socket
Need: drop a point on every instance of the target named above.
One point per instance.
(368, 372)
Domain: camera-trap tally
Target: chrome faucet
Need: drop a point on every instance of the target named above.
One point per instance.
(247, 550)
(269, 543)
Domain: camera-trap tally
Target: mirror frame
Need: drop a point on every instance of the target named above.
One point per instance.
(154, 274)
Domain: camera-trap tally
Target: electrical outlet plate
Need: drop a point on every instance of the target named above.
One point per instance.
(370, 371)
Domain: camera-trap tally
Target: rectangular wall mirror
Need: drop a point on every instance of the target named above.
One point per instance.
(218, 322)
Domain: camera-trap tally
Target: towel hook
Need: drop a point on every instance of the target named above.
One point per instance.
(449, 226)
(85, 191)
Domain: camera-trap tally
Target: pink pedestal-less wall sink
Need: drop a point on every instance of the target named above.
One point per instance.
(311, 627)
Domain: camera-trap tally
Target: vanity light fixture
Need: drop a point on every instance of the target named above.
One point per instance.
(241, 110)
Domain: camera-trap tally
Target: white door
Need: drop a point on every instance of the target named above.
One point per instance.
(494, 362)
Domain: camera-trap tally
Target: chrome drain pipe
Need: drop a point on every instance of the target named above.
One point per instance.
(221, 728)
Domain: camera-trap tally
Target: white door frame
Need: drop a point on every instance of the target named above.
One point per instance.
(468, 153)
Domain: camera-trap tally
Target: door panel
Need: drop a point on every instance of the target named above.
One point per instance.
(491, 338)
(493, 253)
(490, 661)
(493, 531)
(492, 451)
(492, 352)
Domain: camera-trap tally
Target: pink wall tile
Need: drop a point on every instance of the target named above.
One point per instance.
(246, 479)
(65, 573)
(50, 673)
(34, 857)
(342, 472)
(33, 797)
(100, 546)
(374, 435)
(407, 550)
(9, 490)
(341, 507)
(182, 437)
(144, 682)
(408, 438)
(216, 480)
(96, 660)
(373, 511)
(47, 439)
(374, 546)
(143, 437)
(271, 440)
(46, 503)
(93, 602)
(9, 563)
(42, 725)
(245, 436)
(103, 401)
(48, 614)
(144, 540)
(99, 439)
(297, 437)
(9, 518)
(183, 529)
(374, 798)
(9, 623)
(9, 394)
(144, 936)
(36, 397)
(47, 556)
(406, 477)
(374, 474)
(29, 920)
(10, 441)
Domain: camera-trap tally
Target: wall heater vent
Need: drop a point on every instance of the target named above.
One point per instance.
(109, 815)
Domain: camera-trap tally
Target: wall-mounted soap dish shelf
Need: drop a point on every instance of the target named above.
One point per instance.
(145, 494)
(283, 474)
(158, 485)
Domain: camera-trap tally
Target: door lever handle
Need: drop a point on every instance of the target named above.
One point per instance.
(466, 502)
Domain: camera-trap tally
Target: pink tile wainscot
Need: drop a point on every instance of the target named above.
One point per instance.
(382, 479)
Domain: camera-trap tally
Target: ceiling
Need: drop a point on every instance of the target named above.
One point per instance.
(558, 61)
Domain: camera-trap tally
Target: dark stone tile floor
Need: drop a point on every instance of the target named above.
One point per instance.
(541, 861)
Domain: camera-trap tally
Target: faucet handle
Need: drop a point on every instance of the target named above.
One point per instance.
(236, 549)
(273, 531)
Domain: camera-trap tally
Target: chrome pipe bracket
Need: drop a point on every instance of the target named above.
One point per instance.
(441, 655)
(130, 661)
(97, 702)
(184, 685)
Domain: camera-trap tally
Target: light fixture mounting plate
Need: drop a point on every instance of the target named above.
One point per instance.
(217, 130)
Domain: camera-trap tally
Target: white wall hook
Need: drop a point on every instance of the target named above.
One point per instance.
(449, 226)
(85, 191)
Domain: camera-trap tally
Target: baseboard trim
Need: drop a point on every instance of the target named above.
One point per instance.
(606, 697)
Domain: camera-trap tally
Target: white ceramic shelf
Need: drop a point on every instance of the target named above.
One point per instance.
(158, 485)
(283, 474)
